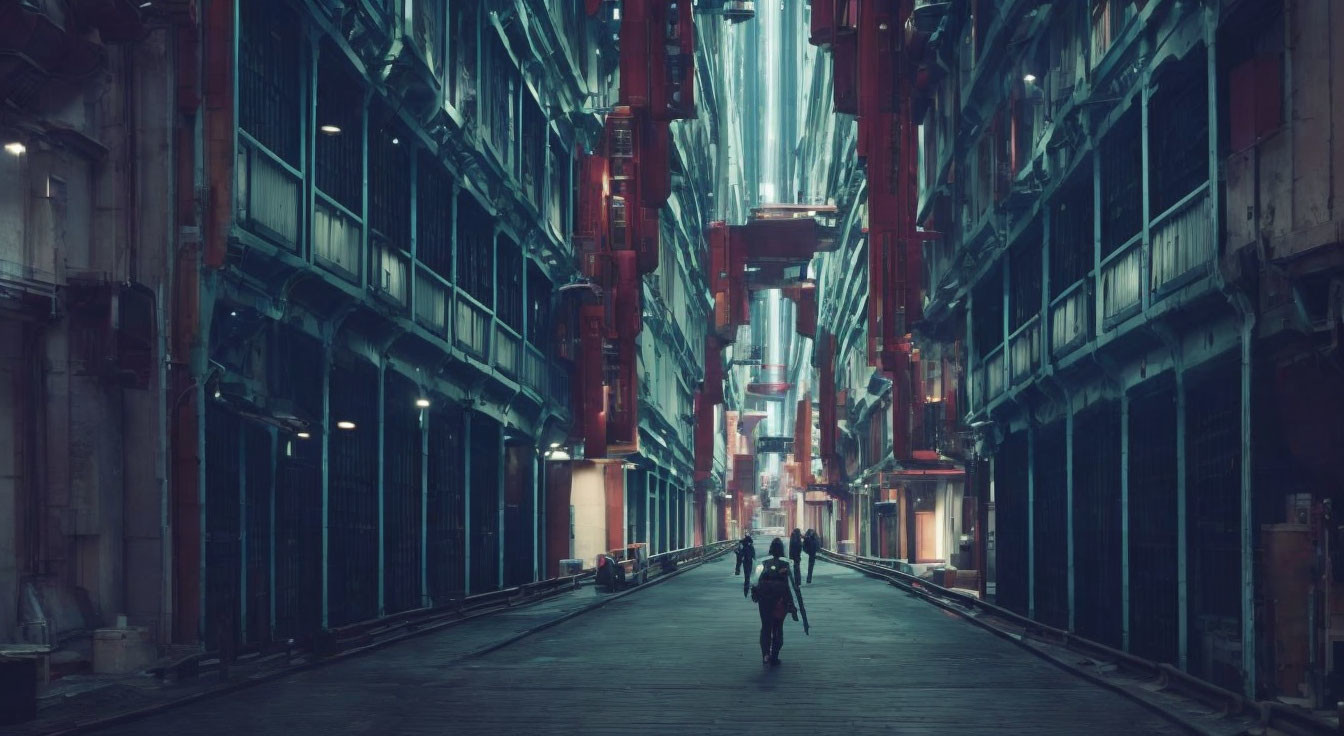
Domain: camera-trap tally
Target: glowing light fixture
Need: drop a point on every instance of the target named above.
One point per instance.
(555, 445)
(16, 148)
(558, 456)
(1029, 78)
(345, 424)
(422, 403)
(303, 435)
(330, 129)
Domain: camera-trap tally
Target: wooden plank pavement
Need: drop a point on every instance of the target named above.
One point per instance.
(682, 657)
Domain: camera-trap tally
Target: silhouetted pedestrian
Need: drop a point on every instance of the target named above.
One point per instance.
(796, 554)
(811, 545)
(746, 556)
(774, 600)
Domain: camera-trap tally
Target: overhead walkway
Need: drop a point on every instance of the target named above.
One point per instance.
(682, 657)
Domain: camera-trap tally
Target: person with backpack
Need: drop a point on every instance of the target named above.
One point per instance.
(746, 555)
(811, 545)
(796, 554)
(774, 596)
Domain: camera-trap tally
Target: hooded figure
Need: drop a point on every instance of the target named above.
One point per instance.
(774, 600)
(811, 545)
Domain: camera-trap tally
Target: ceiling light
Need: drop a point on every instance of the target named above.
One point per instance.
(396, 141)
(330, 129)
(558, 456)
(216, 393)
(345, 424)
(303, 435)
(554, 445)
(422, 403)
(16, 148)
(1029, 78)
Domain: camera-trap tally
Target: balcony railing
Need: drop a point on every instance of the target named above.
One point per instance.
(1024, 349)
(1070, 319)
(508, 351)
(431, 302)
(267, 193)
(536, 371)
(1183, 241)
(1122, 281)
(389, 274)
(995, 377)
(560, 386)
(336, 235)
(471, 326)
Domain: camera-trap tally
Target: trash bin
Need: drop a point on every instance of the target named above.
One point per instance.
(18, 690)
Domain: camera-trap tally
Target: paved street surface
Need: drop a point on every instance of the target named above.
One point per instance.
(682, 657)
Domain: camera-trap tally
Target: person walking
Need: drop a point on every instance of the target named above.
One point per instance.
(746, 557)
(796, 554)
(811, 545)
(774, 598)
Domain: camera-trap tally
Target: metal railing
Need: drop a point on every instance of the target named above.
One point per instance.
(995, 376)
(389, 273)
(508, 351)
(1122, 281)
(1183, 240)
(1024, 350)
(471, 326)
(267, 193)
(432, 297)
(336, 236)
(1070, 319)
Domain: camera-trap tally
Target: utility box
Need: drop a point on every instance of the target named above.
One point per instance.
(122, 651)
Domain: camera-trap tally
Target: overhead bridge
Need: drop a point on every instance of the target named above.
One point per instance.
(678, 654)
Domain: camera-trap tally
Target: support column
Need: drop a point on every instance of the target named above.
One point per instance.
(382, 489)
(424, 509)
(326, 481)
(1247, 510)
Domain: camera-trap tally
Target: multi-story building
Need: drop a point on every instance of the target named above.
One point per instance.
(295, 304)
(1136, 280)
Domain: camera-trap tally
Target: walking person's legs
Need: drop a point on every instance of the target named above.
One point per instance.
(811, 562)
(797, 571)
(777, 643)
(767, 632)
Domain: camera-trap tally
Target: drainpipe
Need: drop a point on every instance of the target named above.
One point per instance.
(1246, 310)
(1067, 398)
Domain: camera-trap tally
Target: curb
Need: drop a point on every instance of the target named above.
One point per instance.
(232, 687)
(1021, 642)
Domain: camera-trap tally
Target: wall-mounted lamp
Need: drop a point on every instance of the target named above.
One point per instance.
(422, 403)
(345, 424)
(15, 148)
(303, 435)
(1029, 78)
(330, 129)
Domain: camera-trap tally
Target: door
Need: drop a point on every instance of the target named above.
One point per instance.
(926, 532)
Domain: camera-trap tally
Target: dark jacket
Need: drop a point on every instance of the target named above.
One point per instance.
(746, 550)
(772, 589)
(811, 543)
(796, 546)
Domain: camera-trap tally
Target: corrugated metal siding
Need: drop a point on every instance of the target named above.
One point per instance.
(402, 486)
(1010, 523)
(1153, 616)
(485, 501)
(1096, 524)
(298, 538)
(352, 549)
(446, 544)
(1213, 497)
(260, 472)
(1051, 526)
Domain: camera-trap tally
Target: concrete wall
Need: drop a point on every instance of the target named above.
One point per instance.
(588, 499)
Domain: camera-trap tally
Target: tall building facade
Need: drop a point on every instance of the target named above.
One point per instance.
(297, 301)
(1128, 348)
